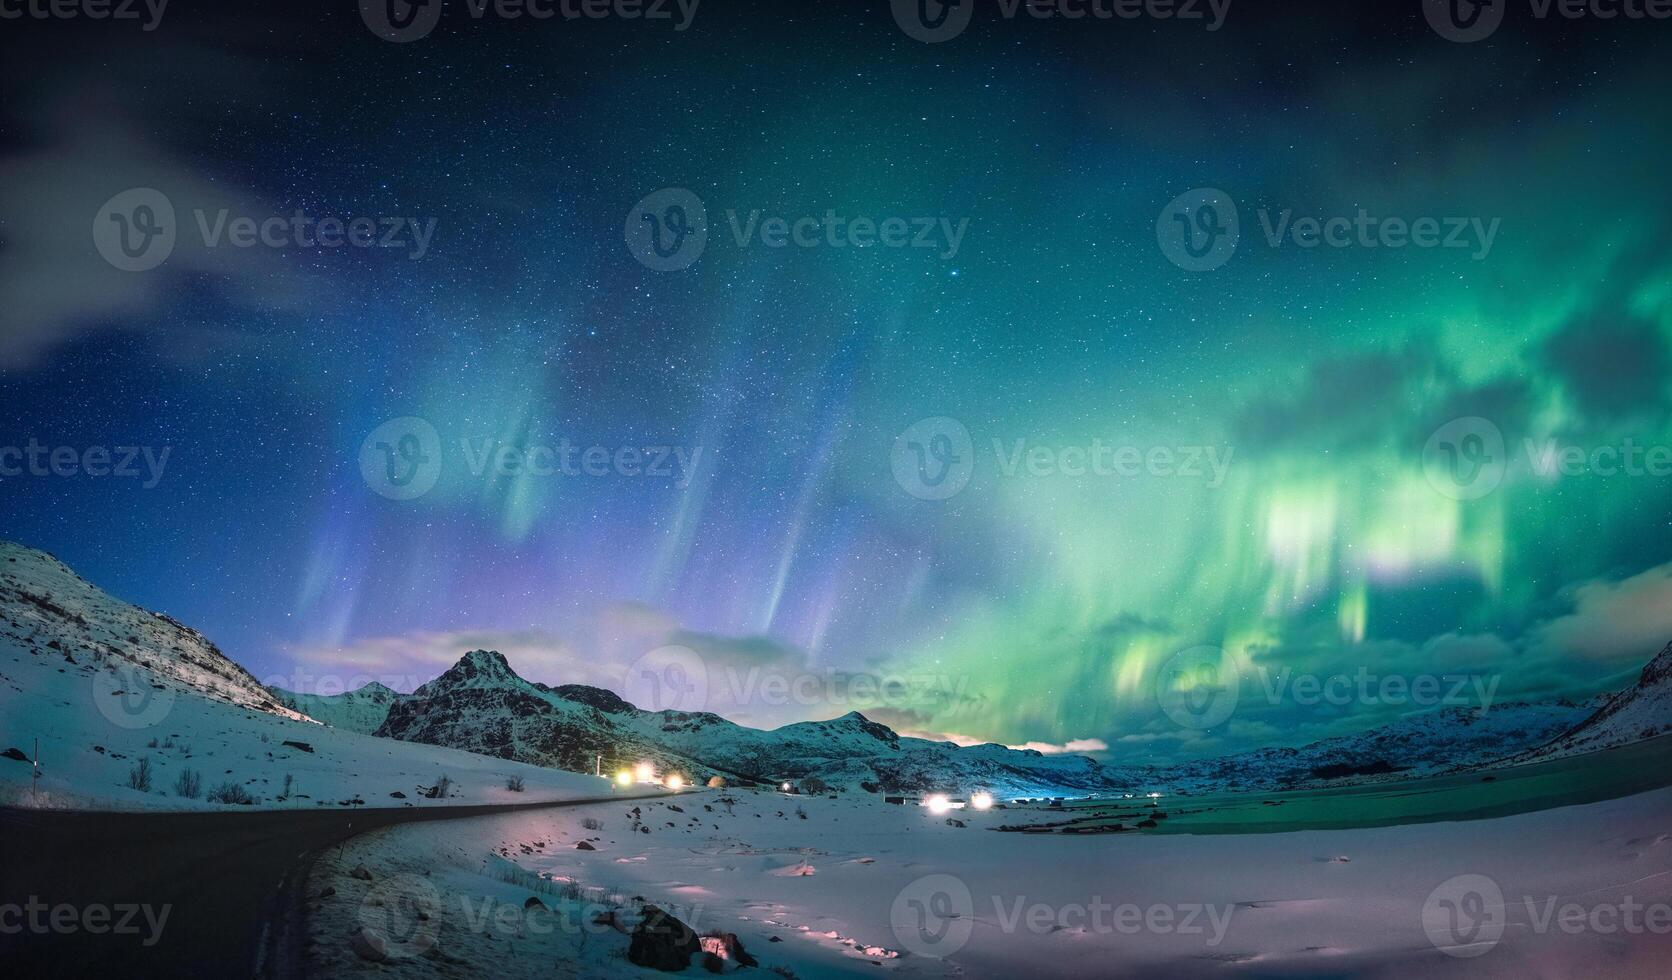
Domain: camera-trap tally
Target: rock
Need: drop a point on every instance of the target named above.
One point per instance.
(361, 873)
(950, 822)
(727, 946)
(15, 753)
(661, 942)
(584, 846)
(397, 794)
(328, 892)
(303, 746)
(774, 939)
(534, 903)
(369, 946)
(1146, 823)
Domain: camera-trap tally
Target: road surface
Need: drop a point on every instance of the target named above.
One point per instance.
(230, 885)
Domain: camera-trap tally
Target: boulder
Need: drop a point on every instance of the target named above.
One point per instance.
(661, 942)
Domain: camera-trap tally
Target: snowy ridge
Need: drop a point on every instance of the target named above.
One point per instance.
(1641, 711)
(130, 710)
(361, 710)
(51, 611)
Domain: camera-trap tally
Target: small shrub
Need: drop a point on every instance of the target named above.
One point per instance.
(139, 777)
(440, 789)
(514, 784)
(189, 785)
(592, 823)
(289, 782)
(814, 786)
(151, 744)
(230, 792)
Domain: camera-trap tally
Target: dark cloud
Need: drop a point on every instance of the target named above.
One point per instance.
(1614, 366)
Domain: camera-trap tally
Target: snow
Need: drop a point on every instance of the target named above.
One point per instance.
(837, 889)
(102, 684)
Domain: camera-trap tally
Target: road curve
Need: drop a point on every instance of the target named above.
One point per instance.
(230, 884)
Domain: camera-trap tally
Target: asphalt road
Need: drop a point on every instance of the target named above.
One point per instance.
(228, 883)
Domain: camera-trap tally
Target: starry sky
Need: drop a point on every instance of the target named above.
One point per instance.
(1031, 604)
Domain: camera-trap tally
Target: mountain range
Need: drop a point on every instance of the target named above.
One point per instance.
(482, 706)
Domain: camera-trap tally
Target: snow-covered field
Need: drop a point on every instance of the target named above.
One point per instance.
(87, 757)
(859, 887)
(102, 686)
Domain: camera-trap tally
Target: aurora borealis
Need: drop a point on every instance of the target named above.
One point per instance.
(1035, 604)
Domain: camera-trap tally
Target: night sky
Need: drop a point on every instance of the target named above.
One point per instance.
(1027, 606)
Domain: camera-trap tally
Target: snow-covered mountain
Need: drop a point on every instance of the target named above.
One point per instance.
(51, 611)
(128, 709)
(481, 705)
(361, 710)
(1641, 711)
(1422, 744)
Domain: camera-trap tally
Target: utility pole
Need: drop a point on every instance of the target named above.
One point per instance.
(34, 797)
(599, 769)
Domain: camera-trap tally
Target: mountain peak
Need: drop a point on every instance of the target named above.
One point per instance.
(1658, 670)
(478, 668)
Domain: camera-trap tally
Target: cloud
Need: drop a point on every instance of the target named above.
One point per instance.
(1074, 746)
(87, 145)
(1619, 623)
(1614, 366)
